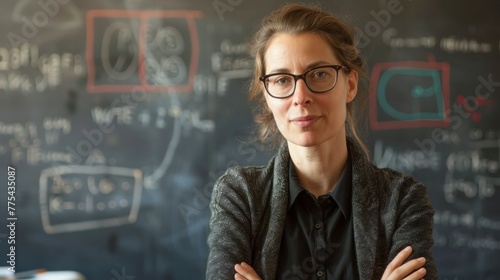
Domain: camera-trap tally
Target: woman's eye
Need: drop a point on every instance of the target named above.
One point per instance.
(282, 80)
(320, 74)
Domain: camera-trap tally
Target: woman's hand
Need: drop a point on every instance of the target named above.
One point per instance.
(411, 270)
(245, 272)
(395, 270)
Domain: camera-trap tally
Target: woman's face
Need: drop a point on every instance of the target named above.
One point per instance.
(307, 118)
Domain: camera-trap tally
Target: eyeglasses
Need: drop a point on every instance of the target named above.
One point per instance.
(318, 80)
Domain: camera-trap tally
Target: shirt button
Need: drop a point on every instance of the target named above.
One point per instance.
(319, 273)
(318, 225)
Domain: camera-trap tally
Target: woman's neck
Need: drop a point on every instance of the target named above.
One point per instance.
(319, 167)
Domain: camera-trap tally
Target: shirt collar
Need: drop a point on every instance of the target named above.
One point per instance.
(342, 192)
(294, 185)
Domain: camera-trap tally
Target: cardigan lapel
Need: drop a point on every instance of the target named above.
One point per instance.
(365, 209)
(279, 203)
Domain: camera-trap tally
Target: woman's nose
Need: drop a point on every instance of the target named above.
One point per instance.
(302, 94)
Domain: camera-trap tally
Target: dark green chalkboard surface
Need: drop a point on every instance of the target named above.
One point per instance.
(118, 117)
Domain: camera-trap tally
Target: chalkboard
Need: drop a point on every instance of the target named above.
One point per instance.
(117, 117)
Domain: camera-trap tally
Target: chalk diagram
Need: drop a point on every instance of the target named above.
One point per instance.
(85, 194)
(148, 47)
(126, 51)
(409, 94)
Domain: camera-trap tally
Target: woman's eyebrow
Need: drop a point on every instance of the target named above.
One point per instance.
(310, 66)
(279, 70)
(318, 64)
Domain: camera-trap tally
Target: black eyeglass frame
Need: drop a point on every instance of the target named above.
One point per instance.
(303, 77)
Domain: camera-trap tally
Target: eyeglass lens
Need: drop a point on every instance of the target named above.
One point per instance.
(317, 80)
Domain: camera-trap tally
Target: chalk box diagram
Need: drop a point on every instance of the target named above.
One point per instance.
(75, 198)
(409, 95)
(151, 50)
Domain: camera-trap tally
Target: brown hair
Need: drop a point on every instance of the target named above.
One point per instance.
(295, 19)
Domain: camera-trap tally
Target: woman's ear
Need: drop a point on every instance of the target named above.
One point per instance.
(352, 85)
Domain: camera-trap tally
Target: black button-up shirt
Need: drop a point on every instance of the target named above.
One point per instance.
(318, 240)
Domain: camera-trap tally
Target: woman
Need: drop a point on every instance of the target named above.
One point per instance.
(319, 209)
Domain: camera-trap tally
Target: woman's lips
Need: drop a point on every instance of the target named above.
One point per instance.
(305, 121)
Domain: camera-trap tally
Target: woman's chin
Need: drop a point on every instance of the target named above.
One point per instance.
(305, 141)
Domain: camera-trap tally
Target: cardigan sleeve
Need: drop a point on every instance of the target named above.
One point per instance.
(229, 240)
(414, 224)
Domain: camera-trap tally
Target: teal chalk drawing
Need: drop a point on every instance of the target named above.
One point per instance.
(416, 93)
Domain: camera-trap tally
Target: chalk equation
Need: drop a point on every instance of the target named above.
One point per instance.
(230, 62)
(75, 198)
(407, 160)
(27, 70)
(157, 50)
(458, 239)
(473, 173)
(467, 220)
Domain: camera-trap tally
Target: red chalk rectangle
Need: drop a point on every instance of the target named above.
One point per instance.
(142, 17)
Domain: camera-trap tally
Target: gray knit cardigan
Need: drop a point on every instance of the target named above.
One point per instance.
(249, 206)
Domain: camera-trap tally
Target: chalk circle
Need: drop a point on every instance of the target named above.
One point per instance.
(170, 41)
(119, 41)
(171, 70)
(175, 69)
